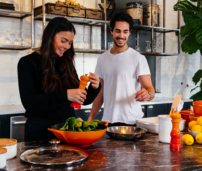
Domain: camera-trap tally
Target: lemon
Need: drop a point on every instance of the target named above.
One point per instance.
(192, 123)
(196, 128)
(199, 121)
(187, 139)
(184, 137)
(199, 138)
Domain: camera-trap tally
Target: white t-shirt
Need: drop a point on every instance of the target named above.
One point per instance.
(120, 74)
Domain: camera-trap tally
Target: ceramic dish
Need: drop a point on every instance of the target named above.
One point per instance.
(3, 152)
(79, 139)
(10, 145)
(193, 133)
(152, 124)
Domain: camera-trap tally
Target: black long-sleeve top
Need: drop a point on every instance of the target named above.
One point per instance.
(36, 102)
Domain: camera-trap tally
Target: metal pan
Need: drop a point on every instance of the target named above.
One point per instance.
(126, 132)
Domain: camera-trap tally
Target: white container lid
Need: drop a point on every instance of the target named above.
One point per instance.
(4, 142)
(3, 150)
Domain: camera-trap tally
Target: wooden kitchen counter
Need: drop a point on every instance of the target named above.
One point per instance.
(117, 155)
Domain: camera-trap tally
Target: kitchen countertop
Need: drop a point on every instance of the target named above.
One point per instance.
(147, 154)
(16, 109)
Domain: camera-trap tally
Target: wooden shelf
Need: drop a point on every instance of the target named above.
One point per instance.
(14, 14)
(13, 47)
(72, 19)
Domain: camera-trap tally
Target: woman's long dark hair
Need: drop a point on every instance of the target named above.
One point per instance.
(67, 78)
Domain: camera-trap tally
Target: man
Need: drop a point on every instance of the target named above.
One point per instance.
(122, 71)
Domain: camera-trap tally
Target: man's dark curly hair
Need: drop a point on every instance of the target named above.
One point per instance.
(121, 17)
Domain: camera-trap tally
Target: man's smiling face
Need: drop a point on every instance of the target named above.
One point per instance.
(121, 33)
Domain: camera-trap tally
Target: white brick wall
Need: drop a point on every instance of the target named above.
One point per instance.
(175, 69)
(171, 71)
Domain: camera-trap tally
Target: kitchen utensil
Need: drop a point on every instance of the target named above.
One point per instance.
(193, 133)
(55, 155)
(10, 145)
(3, 152)
(137, 48)
(152, 124)
(185, 115)
(165, 127)
(79, 139)
(197, 106)
(175, 104)
(148, 47)
(193, 117)
(175, 134)
(126, 132)
(82, 85)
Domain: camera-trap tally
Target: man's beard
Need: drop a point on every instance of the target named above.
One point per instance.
(119, 45)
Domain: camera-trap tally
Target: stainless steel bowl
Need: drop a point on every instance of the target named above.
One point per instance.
(126, 132)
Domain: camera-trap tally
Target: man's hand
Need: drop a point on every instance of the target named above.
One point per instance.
(94, 79)
(142, 95)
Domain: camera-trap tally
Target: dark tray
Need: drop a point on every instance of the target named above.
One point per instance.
(76, 11)
(51, 8)
(94, 14)
(6, 6)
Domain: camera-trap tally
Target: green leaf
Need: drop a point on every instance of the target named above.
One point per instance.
(194, 88)
(197, 96)
(197, 76)
(185, 30)
(201, 85)
(193, 20)
(194, 31)
(198, 36)
(194, 0)
(190, 45)
(186, 6)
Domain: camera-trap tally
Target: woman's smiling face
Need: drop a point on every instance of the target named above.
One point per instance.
(62, 42)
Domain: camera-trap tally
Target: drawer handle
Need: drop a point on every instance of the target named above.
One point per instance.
(150, 107)
(20, 122)
(76, 10)
(87, 111)
(58, 7)
(94, 12)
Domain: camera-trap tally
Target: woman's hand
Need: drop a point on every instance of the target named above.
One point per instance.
(76, 95)
(94, 79)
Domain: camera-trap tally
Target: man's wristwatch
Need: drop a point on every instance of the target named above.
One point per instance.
(150, 94)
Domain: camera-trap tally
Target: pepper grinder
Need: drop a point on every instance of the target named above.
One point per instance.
(82, 85)
(175, 133)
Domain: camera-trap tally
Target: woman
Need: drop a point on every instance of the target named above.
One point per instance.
(48, 81)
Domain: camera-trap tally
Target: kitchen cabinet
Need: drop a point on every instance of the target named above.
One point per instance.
(161, 109)
(4, 126)
(84, 113)
(157, 109)
(144, 110)
(187, 105)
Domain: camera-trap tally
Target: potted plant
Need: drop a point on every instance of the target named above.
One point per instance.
(192, 33)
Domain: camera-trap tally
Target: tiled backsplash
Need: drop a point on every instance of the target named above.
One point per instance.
(171, 71)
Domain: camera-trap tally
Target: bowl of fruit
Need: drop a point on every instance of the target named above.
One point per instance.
(78, 132)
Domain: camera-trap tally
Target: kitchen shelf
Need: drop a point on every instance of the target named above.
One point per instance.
(14, 14)
(76, 20)
(77, 50)
(13, 47)
(159, 54)
(156, 29)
